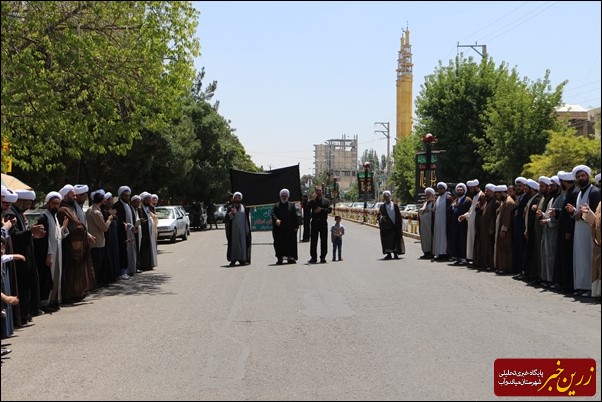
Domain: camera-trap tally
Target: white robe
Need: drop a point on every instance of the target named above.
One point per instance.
(56, 234)
(440, 229)
(583, 247)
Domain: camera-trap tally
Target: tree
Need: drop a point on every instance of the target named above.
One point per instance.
(519, 118)
(564, 151)
(90, 76)
(487, 120)
(450, 105)
(404, 169)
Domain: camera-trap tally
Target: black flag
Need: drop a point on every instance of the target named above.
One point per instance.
(264, 188)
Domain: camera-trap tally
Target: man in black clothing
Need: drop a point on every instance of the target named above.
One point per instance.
(320, 208)
(306, 217)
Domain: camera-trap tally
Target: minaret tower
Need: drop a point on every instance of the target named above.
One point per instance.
(404, 87)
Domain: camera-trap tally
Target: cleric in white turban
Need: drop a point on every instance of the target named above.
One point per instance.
(51, 195)
(67, 188)
(566, 176)
(26, 195)
(284, 192)
(122, 189)
(80, 189)
(442, 185)
(238, 231)
(581, 168)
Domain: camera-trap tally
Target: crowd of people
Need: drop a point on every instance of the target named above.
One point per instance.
(545, 231)
(68, 252)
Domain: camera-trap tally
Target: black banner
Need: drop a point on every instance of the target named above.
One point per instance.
(264, 188)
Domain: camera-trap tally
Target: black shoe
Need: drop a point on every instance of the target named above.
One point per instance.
(425, 257)
(388, 257)
(232, 263)
(312, 261)
(322, 260)
(292, 261)
(334, 259)
(279, 262)
(396, 257)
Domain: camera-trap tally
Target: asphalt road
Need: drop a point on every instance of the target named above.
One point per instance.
(358, 329)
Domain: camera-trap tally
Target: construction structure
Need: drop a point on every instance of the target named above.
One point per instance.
(337, 158)
(404, 87)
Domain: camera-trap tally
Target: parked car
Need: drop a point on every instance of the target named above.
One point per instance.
(220, 212)
(173, 222)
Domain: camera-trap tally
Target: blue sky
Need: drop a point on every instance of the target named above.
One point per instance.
(294, 74)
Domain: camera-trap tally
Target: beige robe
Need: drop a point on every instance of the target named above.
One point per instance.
(594, 221)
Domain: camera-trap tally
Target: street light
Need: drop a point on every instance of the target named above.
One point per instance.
(429, 139)
(366, 169)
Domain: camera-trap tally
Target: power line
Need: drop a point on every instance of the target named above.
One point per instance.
(518, 24)
(499, 19)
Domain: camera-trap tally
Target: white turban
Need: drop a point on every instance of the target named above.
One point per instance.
(442, 184)
(472, 183)
(461, 185)
(285, 191)
(3, 189)
(429, 190)
(386, 192)
(144, 195)
(122, 189)
(580, 168)
(81, 189)
(67, 188)
(154, 197)
(10, 197)
(238, 193)
(566, 176)
(26, 195)
(500, 188)
(598, 178)
(533, 184)
(489, 187)
(51, 195)
(136, 198)
(108, 195)
(555, 179)
(99, 191)
(545, 180)
(520, 179)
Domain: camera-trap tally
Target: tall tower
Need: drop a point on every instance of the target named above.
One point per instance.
(404, 87)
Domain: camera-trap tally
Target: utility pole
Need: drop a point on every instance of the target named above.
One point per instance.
(385, 131)
(483, 52)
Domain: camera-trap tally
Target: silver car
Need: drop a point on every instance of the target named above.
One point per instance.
(173, 223)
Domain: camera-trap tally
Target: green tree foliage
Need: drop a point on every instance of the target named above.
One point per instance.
(519, 118)
(487, 120)
(564, 151)
(219, 151)
(450, 105)
(88, 77)
(404, 170)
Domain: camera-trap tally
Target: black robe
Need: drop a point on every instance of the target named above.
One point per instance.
(391, 233)
(285, 235)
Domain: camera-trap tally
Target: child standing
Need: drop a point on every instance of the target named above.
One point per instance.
(336, 233)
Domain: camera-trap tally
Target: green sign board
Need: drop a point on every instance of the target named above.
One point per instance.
(261, 217)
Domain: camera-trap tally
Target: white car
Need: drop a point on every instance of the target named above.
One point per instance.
(173, 222)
